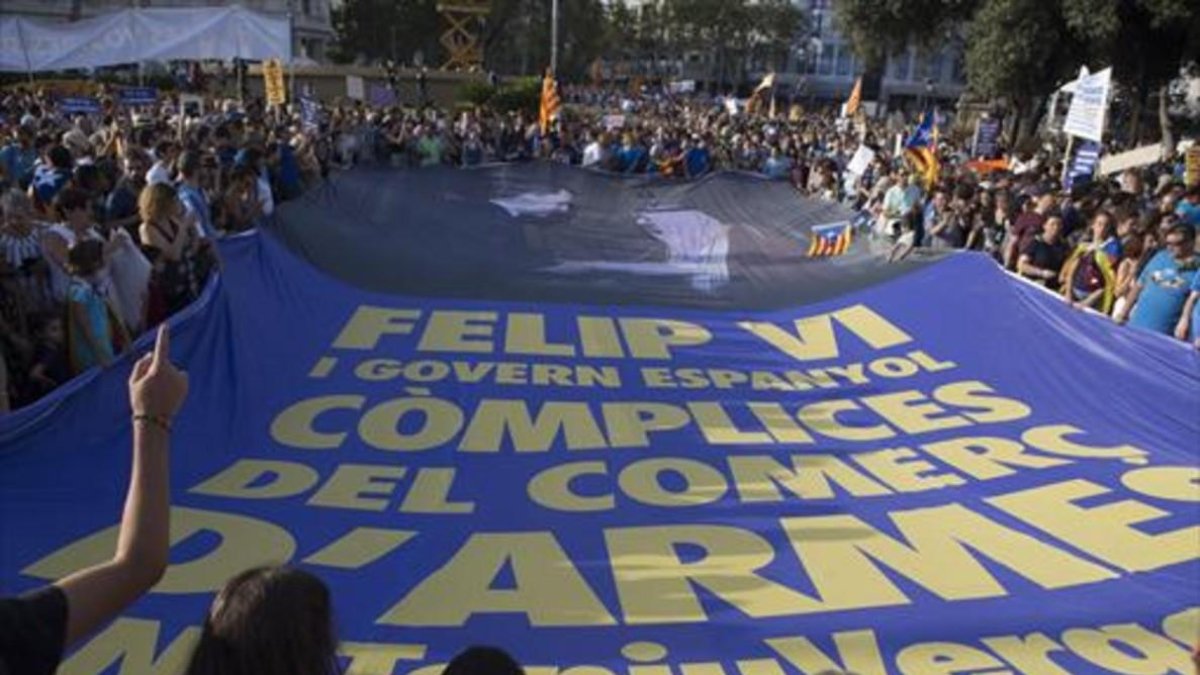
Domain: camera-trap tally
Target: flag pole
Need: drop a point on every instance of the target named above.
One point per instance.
(554, 36)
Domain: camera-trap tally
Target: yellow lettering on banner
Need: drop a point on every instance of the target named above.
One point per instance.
(855, 373)
(526, 334)
(1029, 654)
(979, 404)
(655, 338)
(440, 421)
(1175, 483)
(759, 667)
(1184, 627)
(373, 658)
(294, 426)
(512, 373)
(822, 417)
(430, 493)
(642, 482)
(245, 542)
(988, 457)
(132, 642)
(551, 488)
(654, 586)
(658, 378)
(371, 323)
(365, 487)
(944, 658)
(901, 469)
(815, 340)
(454, 331)
(1155, 654)
(929, 363)
(842, 555)
(818, 379)
(709, 668)
(496, 419)
(1104, 531)
(858, 652)
(549, 590)
(646, 652)
(1051, 438)
(762, 380)
(243, 480)
(378, 370)
(360, 547)
(913, 413)
(758, 478)
(893, 367)
(629, 424)
(598, 338)
(718, 429)
(782, 426)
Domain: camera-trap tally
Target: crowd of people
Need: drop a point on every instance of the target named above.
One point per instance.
(108, 224)
(108, 219)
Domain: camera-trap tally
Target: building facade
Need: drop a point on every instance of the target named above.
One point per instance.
(824, 65)
(312, 25)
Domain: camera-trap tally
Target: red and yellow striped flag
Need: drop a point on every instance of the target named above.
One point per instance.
(855, 99)
(551, 104)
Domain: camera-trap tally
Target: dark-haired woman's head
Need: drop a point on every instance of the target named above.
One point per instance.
(268, 621)
(483, 661)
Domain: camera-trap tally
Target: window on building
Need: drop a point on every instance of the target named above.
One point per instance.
(845, 61)
(900, 66)
(959, 70)
(308, 10)
(825, 64)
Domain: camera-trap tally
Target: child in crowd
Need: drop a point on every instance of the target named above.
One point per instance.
(95, 334)
(50, 367)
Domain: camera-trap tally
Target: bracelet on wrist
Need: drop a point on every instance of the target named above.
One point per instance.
(159, 421)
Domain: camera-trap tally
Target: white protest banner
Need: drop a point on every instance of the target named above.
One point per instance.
(861, 160)
(614, 122)
(682, 87)
(142, 34)
(355, 88)
(1089, 106)
(1147, 154)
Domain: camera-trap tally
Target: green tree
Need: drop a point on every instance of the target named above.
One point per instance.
(387, 29)
(1020, 50)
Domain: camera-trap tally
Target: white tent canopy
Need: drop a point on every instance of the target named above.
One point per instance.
(143, 34)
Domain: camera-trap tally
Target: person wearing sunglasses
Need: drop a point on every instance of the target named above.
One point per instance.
(1157, 300)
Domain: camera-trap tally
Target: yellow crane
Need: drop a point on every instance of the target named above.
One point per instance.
(463, 40)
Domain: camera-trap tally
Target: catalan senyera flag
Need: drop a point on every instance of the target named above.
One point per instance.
(830, 240)
(548, 112)
(855, 99)
(921, 149)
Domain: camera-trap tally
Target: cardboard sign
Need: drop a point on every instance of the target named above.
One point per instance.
(137, 96)
(1131, 159)
(614, 122)
(79, 104)
(1191, 175)
(1089, 106)
(272, 71)
(861, 160)
(355, 88)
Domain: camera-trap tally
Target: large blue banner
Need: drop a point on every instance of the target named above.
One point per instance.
(947, 472)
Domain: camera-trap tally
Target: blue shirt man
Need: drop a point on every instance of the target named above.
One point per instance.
(697, 160)
(1164, 284)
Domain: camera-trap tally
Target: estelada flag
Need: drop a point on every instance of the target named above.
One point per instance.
(830, 240)
(921, 149)
(855, 98)
(548, 112)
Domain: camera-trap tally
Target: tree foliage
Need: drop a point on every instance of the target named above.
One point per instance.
(1023, 49)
